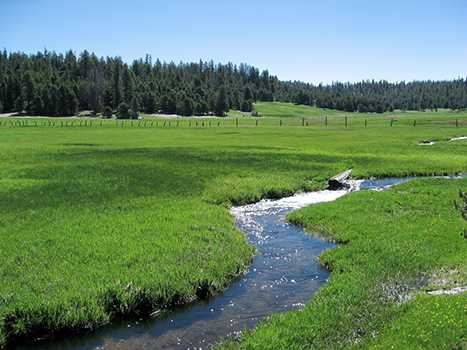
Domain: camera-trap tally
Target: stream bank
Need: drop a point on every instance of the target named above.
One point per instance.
(282, 277)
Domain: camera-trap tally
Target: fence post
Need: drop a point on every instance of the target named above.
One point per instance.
(280, 122)
(325, 121)
(365, 122)
(303, 121)
(345, 120)
(256, 122)
(391, 121)
(457, 123)
(236, 121)
(414, 122)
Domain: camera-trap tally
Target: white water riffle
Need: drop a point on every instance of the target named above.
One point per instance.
(284, 275)
(295, 202)
(430, 143)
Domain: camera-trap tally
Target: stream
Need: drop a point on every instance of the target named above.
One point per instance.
(284, 275)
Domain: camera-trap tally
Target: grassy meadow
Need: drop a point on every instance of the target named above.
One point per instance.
(113, 219)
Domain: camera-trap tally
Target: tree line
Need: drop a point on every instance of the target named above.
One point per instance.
(48, 84)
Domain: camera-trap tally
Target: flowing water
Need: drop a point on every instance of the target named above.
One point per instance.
(431, 143)
(283, 276)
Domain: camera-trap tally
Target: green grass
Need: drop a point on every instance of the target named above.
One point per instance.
(271, 114)
(397, 244)
(109, 220)
(291, 110)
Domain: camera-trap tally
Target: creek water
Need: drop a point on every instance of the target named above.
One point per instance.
(431, 143)
(283, 276)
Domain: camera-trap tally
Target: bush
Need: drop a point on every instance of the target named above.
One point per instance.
(123, 111)
(463, 209)
(107, 112)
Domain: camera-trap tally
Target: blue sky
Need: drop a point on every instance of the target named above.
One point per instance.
(307, 40)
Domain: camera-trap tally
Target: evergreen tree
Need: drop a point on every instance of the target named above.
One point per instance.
(29, 90)
(200, 107)
(38, 105)
(116, 83)
(222, 104)
(127, 83)
(67, 103)
(107, 112)
(188, 107)
(65, 84)
(247, 106)
(149, 102)
(134, 105)
(50, 100)
(95, 88)
(85, 64)
(19, 104)
(123, 111)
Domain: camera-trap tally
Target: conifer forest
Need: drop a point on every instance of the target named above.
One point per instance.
(49, 83)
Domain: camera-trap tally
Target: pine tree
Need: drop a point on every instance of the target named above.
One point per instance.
(222, 104)
(246, 106)
(123, 111)
(127, 82)
(187, 106)
(29, 90)
(19, 104)
(38, 105)
(95, 88)
(107, 112)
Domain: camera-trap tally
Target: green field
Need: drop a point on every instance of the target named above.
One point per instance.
(114, 219)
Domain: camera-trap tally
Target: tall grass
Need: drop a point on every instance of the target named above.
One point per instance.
(397, 244)
(97, 221)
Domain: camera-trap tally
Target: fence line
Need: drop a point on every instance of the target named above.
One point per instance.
(167, 123)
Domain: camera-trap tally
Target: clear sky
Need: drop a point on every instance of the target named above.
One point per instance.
(308, 40)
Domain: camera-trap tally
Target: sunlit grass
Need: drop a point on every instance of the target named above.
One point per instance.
(109, 219)
(396, 244)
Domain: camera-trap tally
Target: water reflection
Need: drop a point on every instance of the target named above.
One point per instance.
(283, 276)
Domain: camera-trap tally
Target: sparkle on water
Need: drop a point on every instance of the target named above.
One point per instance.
(283, 276)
